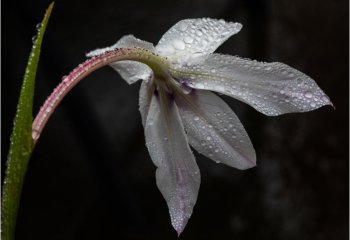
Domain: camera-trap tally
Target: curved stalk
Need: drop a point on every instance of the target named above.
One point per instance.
(155, 62)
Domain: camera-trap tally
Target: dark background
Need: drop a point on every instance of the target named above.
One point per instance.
(90, 176)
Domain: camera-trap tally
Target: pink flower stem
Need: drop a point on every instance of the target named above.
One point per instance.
(79, 73)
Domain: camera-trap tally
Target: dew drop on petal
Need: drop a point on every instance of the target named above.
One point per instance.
(308, 94)
(179, 44)
(325, 98)
(166, 49)
(188, 39)
(183, 27)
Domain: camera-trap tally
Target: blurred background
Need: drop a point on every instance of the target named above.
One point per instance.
(91, 177)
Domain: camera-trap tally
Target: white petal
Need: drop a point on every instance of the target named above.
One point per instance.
(195, 37)
(131, 71)
(271, 88)
(178, 176)
(145, 98)
(215, 131)
(128, 41)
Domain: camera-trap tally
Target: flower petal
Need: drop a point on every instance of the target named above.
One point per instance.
(131, 71)
(178, 176)
(128, 41)
(215, 131)
(195, 37)
(145, 98)
(271, 88)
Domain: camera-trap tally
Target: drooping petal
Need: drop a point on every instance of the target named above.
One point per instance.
(215, 131)
(178, 176)
(195, 37)
(131, 71)
(145, 98)
(271, 88)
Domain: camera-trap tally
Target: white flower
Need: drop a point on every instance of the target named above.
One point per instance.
(179, 110)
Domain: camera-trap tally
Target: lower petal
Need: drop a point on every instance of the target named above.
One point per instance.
(178, 176)
(215, 131)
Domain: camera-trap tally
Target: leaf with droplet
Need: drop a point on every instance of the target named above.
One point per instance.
(21, 145)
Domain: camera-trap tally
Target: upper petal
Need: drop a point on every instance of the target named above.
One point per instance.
(195, 37)
(131, 71)
(178, 176)
(271, 88)
(128, 41)
(215, 131)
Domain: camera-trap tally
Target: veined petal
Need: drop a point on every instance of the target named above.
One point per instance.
(178, 176)
(195, 37)
(131, 71)
(271, 88)
(215, 131)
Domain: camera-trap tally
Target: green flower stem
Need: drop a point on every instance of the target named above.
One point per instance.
(21, 140)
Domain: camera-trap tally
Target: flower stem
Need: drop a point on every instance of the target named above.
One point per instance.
(80, 72)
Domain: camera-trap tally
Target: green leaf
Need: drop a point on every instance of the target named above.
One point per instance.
(21, 140)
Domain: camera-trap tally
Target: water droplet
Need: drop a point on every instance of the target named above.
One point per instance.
(216, 150)
(38, 26)
(208, 138)
(34, 39)
(183, 27)
(188, 39)
(35, 135)
(65, 79)
(167, 49)
(196, 118)
(282, 92)
(308, 94)
(179, 44)
(325, 99)
(203, 143)
(313, 104)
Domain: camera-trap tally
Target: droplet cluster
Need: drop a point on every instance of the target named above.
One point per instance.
(195, 36)
(216, 132)
(271, 88)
